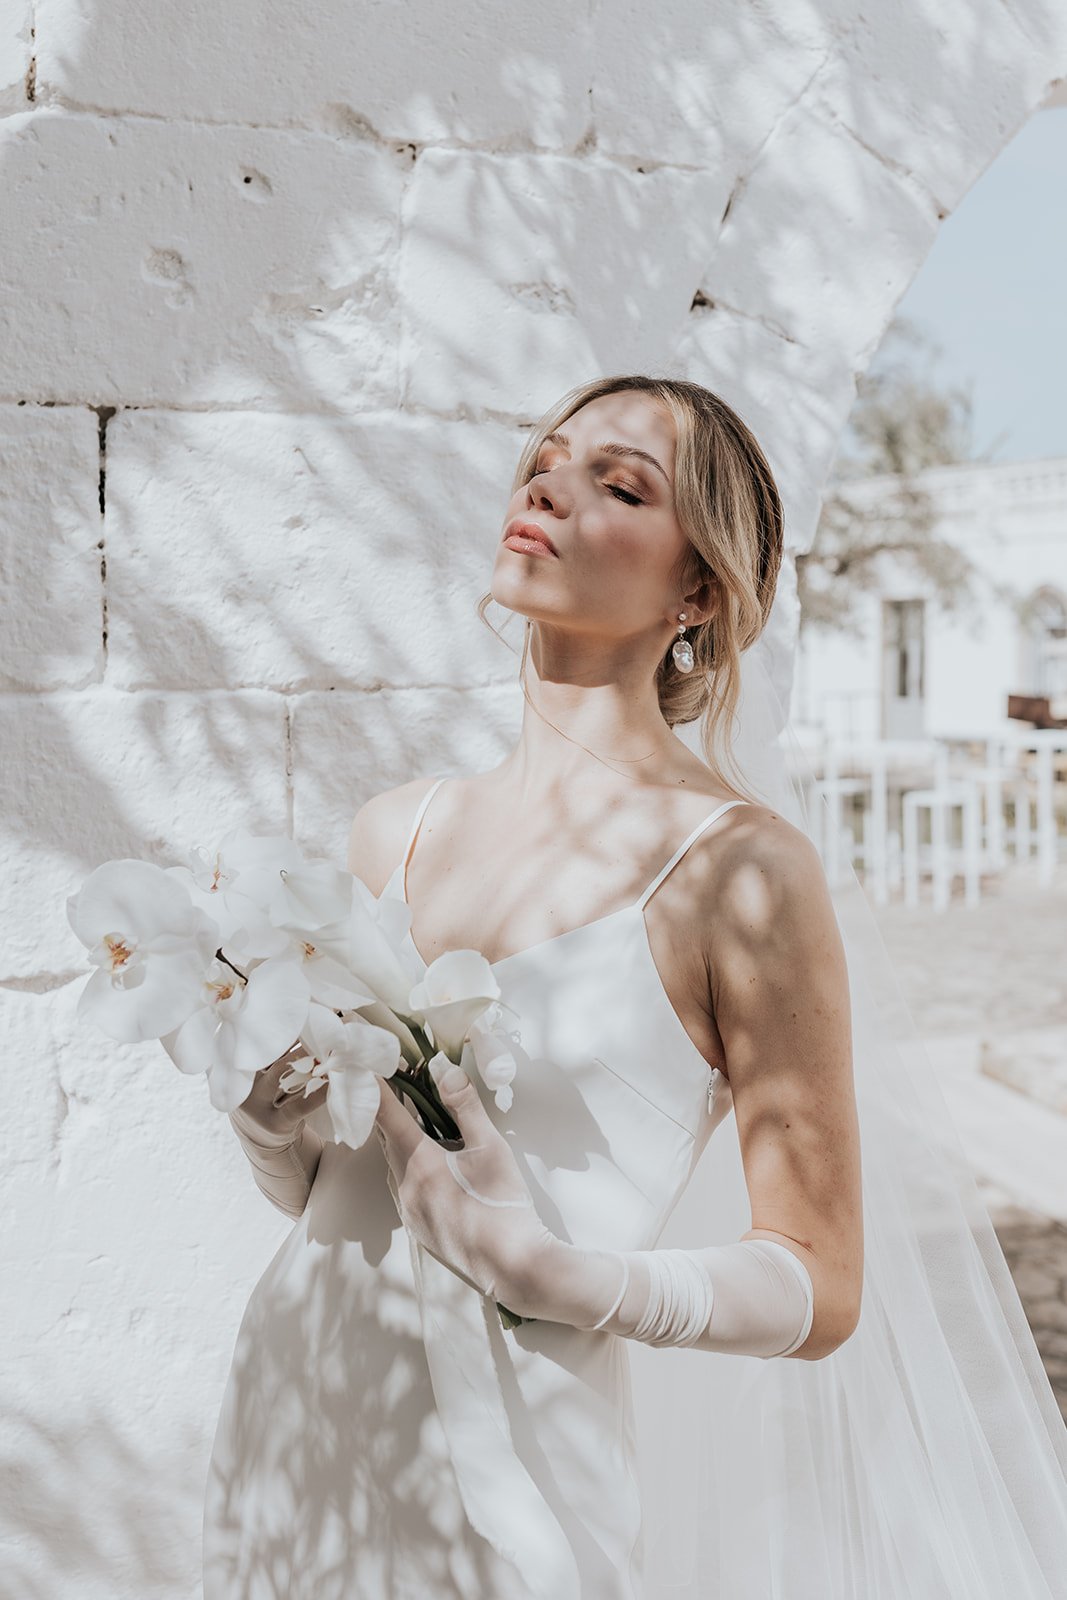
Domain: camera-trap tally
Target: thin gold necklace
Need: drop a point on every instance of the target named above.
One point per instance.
(605, 762)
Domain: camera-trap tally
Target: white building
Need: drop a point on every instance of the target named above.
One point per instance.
(921, 671)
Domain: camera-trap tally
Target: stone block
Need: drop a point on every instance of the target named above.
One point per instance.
(95, 775)
(431, 72)
(51, 590)
(349, 747)
(16, 54)
(699, 86)
(940, 97)
(823, 239)
(197, 265)
(522, 276)
(134, 1235)
(302, 552)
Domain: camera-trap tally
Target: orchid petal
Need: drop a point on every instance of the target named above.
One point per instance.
(372, 947)
(352, 1101)
(157, 998)
(133, 897)
(455, 991)
(227, 1086)
(311, 896)
(246, 1028)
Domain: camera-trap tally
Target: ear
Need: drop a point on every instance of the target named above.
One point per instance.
(701, 602)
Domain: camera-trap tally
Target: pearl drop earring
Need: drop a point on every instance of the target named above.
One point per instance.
(682, 650)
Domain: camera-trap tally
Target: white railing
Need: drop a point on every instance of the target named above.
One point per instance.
(968, 788)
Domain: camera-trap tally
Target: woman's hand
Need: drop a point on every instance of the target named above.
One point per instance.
(470, 1208)
(268, 1115)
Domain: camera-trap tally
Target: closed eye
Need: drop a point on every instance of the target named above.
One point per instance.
(625, 495)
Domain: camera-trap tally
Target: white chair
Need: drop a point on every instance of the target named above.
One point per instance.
(941, 801)
(882, 851)
(837, 841)
(1000, 780)
(1034, 783)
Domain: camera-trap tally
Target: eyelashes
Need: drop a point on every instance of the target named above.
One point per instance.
(625, 495)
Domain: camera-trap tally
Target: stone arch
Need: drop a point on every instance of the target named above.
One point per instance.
(298, 305)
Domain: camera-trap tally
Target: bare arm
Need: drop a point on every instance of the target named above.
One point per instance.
(779, 986)
(791, 1285)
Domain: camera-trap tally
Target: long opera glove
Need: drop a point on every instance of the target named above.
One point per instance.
(753, 1298)
(750, 1298)
(283, 1168)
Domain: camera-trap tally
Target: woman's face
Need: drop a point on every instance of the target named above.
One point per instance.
(609, 513)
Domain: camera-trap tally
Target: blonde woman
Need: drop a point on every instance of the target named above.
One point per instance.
(669, 942)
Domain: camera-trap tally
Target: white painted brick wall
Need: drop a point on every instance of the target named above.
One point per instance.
(308, 274)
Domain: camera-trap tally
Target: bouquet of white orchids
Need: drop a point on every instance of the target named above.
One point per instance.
(253, 951)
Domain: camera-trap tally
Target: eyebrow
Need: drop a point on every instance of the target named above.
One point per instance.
(610, 447)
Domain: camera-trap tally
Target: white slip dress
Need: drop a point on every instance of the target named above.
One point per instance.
(381, 1436)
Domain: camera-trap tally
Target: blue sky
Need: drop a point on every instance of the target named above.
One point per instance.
(993, 294)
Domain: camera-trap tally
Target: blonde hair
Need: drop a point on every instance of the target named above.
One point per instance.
(727, 503)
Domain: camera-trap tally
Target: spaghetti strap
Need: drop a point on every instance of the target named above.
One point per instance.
(417, 821)
(684, 846)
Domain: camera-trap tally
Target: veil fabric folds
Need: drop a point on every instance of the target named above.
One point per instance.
(926, 1457)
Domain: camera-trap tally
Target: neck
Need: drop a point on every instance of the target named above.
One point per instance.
(590, 709)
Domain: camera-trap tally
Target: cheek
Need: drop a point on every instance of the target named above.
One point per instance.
(636, 549)
(633, 574)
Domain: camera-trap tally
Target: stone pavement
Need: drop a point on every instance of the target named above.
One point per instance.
(988, 990)
(1036, 1251)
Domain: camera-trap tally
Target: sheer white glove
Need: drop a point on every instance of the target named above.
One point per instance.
(282, 1150)
(473, 1211)
(751, 1298)
(470, 1208)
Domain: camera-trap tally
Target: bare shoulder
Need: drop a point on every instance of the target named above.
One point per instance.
(768, 886)
(380, 830)
(777, 967)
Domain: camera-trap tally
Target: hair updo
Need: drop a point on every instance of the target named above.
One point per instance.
(727, 503)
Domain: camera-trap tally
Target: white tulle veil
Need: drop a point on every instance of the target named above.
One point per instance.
(926, 1457)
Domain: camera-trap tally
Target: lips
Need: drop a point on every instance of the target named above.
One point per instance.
(530, 530)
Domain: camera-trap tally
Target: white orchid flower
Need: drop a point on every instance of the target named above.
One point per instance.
(358, 959)
(328, 948)
(150, 945)
(349, 1057)
(379, 924)
(455, 990)
(235, 885)
(313, 895)
(330, 981)
(239, 1027)
(496, 1051)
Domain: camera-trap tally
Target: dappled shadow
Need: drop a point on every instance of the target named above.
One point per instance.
(363, 359)
(363, 1501)
(89, 1509)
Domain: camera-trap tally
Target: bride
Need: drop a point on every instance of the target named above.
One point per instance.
(840, 1396)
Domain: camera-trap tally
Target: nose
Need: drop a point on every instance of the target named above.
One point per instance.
(546, 495)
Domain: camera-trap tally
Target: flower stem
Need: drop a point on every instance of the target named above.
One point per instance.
(510, 1319)
(441, 1125)
(231, 966)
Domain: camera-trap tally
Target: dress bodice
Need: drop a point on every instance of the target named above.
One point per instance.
(613, 1103)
